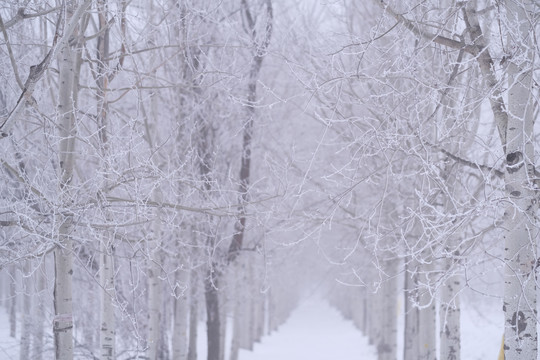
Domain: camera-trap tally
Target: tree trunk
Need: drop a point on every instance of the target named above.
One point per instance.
(213, 326)
(387, 347)
(364, 317)
(222, 321)
(193, 315)
(13, 302)
(107, 319)
(411, 333)
(63, 260)
(237, 313)
(27, 312)
(181, 309)
(515, 128)
(427, 331)
(259, 51)
(242, 307)
(154, 294)
(520, 240)
(63, 256)
(63, 319)
(373, 319)
(245, 304)
(38, 313)
(106, 265)
(450, 313)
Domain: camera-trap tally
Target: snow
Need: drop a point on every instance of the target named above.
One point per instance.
(315, 331)
(481, 329)
(9, 347)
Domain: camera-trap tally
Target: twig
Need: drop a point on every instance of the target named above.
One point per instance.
(10, 52)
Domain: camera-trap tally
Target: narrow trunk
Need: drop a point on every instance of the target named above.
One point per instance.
(13, 302)
(373, 321)
(259, 50)
(246, 304)
(181, 308)
(63, 258)
(410, 343)
(270, 312)
(260, 311)
(154, 295)
(450, 313)
(27, 313)
(239, 308)
(387, 347)
(193, 316)
(222, 321)
(107, 334)
(213, 326)
(38, 312)
(427, 320)
(364, 318)
(63, 305)
(107, 321)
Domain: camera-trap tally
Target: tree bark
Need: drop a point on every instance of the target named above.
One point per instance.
(181, 309)
(213, 325)
(193, 315)
(515, 128)
(38, 314)
(259, 51)
(154, 292)
(387, 346)
(27, 311)
(427, 329)
(63, 307)
(411, 333)
(107, 334)
(13, 302)
(450, 312)
(520, 336)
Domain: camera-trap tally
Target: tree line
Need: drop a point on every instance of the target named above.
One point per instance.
(183, 158)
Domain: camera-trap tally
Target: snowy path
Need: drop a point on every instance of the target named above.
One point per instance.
(315, 331)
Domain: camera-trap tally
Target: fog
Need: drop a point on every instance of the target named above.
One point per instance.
(263, 179)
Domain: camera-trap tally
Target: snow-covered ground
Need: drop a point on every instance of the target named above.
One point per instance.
(9, 347)
(481, 329)
(315, 331)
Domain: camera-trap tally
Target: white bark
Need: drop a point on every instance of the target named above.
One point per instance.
(107, 334)
(63, 320)
(387, 346)
(244, 305)
(38, 314)
(154, 291)
(521, 235)
(193, 315)
(427, 330)
(181, 310)
(223, 304)
(12, 303)
(450, 331)
(108, 324)
(411, 333)
(63, 282)
(27, 313)
(237, 311)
